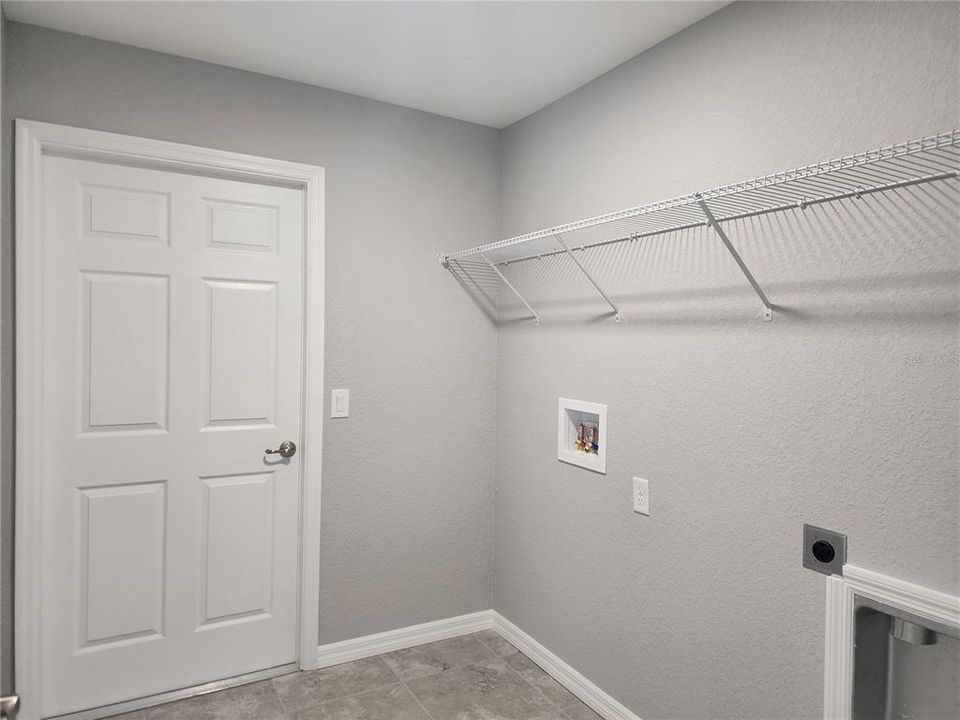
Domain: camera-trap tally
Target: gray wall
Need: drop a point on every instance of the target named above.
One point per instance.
(6, 496)
(843, 412)
(406, 520)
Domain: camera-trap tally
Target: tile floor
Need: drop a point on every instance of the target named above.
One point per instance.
(474, 677)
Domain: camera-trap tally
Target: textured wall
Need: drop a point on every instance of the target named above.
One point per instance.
(6, 454)
(843, 412)
(407, 479)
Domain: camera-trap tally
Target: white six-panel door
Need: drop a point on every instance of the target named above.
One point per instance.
(171, 362)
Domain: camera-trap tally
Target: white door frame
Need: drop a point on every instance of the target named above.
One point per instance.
(842, 592)
(33, 141)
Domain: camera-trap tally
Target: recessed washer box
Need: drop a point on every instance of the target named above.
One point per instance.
(582, 434)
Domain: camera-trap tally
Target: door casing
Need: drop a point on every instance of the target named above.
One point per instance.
(33, 141)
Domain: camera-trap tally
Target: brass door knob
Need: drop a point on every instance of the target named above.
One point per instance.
(9, 706)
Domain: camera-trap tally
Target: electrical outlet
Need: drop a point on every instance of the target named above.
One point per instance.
(824, 550)
(641, 496)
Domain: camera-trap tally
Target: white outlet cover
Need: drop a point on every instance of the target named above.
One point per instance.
(641, 496)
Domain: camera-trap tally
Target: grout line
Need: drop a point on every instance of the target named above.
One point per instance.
(414, 696)
(273, 689)
(389, 666)
(287, 709)
(535, 688)
(499, 657)
(530, 684)
(561, 709)
(283, 705)
(404, 682)
(398, 680)
(578, 703)
(456, 667)
(446, 669)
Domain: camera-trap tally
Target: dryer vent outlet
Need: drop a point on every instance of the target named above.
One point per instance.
(824, 550)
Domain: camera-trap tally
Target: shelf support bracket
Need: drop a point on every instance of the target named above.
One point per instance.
(618, 316)
(533, 313)
(712, 221)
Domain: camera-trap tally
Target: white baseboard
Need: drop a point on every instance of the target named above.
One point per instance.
(589, 693)
(402, 638)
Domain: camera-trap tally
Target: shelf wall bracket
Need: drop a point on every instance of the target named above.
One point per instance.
(618, 316)
(712, 221)
(533, 313)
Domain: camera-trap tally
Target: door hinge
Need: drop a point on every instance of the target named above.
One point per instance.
(9, 706)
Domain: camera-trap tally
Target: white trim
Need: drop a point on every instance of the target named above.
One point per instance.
(27, 448)
(131, 706)
(838, 651)
(33, 140)
(588, 692)
(402, 638)
(312, 432)
(3, 429)
(840, 625)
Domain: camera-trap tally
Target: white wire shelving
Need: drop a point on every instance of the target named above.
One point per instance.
(929, 159)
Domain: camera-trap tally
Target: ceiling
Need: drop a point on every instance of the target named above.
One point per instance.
(491, 63)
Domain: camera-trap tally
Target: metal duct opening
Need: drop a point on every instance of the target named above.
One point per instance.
(911, 632)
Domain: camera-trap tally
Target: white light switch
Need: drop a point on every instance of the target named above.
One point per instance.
(339, 403)
(641, 496)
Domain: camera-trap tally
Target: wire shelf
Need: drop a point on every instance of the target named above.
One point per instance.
(936, 157)
(928, 159)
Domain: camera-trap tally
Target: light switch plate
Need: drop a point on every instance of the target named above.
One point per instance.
(339, 403)
(641, 496)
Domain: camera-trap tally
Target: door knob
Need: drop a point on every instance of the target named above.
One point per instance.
(286, 449)
(9, 706)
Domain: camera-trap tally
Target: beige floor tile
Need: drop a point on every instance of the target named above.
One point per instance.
(484, 691)
(458, 679)
(581, 712)
(394, 702)
(493, 640)
(303, 690)
(257, 701)
(437, 657)
(556, 693)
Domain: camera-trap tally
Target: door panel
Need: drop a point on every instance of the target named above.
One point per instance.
(237, 528)
(172, 359)
(124, 351)
(241, 227)
(122, 543)
(241, 361)
(129, 214)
